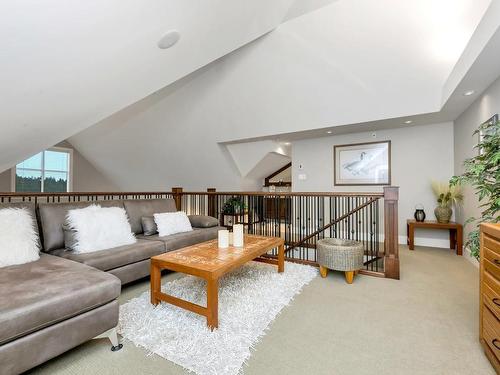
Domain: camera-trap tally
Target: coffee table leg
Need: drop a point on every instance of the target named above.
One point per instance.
(155, 283)
(281, 258)
(213, 304)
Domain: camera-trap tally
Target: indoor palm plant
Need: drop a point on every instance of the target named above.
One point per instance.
(447, 196)
(483, 173)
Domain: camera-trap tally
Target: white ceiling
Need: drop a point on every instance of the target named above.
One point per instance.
(65, 65)
(344, 65)
(349, 62)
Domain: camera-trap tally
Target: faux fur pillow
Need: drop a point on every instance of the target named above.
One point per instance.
(172, 222)
(18, 237)
(98, 228)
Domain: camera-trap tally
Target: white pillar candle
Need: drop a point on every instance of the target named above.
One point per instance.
(231, 239)
(223, 238)
(238, 235)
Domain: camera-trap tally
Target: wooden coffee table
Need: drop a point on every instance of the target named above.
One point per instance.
(207, 261)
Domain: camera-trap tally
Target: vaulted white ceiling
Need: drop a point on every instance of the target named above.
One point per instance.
(65, 65)
(330, 64)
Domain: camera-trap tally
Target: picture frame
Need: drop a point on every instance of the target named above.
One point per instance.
(492, 120)
(359, 164)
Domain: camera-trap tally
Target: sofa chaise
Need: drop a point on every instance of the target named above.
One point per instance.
(64, 299)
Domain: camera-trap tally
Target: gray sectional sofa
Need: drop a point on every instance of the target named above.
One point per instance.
(64, 299)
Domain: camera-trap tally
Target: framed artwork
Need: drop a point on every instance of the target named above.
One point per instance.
(362, 164)
(492, 120)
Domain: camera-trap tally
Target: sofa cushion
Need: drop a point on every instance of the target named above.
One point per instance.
(169, 223)
(108, 259)
(203, 221)
(19, 242)
(136, 209)
(180, 240)
(98, 228)
(30, 206)
(148, 225)
(53, 216)
(41, 293)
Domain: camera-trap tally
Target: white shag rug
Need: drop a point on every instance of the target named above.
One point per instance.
(249, 299)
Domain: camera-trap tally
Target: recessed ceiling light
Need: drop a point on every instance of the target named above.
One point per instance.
(408, 122)
(329, 132)
(169, 39)
(287, 143)
(469, 93)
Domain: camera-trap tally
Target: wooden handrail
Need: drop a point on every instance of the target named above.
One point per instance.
(72, 194)
(284, 194)
(332, 223)
(252, 193)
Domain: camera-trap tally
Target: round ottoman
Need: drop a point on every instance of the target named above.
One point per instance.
(341, 255)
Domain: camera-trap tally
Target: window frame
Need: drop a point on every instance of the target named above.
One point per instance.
(67, 150)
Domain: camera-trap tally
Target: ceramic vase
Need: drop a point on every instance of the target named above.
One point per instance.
(443, 214)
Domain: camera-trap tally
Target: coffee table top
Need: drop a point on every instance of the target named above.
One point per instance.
(207, 260)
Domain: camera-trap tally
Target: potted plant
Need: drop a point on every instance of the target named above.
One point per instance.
(234, 206)
(447, 196)
(234, 211)
(483, 173)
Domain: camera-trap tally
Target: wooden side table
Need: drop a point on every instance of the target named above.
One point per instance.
(456, 232)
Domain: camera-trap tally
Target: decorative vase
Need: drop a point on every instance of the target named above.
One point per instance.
(419, 214)
(443, 214)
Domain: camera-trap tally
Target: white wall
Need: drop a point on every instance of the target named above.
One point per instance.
(85, 176)
(481, 110)
(420, 154)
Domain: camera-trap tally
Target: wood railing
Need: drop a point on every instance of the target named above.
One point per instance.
(80, 197)
(300, 218)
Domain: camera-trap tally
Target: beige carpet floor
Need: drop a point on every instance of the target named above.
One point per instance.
(426, 323)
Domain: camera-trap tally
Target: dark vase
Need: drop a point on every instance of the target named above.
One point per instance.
(419, 214)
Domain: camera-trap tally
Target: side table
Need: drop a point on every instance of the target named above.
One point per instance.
(456, 232)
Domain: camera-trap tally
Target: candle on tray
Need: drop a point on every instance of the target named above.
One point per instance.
(238, 235)
(223, 238)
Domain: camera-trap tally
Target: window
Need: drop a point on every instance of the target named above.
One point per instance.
(48, 171)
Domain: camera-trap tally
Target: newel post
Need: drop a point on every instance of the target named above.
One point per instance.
(177, 195)
(391, 243)
(212, 202)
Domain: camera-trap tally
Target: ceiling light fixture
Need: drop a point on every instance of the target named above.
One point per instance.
(287, 143)
(169, 39)
(408, 122)
(469, 93)
(329, 132)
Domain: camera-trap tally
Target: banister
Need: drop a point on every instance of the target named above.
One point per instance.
(286, 194)
(391, 243)
(332, 223)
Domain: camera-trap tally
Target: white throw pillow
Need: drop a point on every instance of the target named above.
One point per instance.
(18, 237)
(98, 228)
(172, 222)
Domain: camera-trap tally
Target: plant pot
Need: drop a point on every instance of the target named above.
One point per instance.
(443, 214)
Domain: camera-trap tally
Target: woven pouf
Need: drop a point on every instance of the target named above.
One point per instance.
(341, 255)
